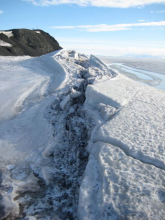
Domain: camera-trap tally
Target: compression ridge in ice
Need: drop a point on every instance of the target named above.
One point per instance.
(76, 114)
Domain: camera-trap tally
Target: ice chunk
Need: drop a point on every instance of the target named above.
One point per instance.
(64, 102)
(74, 93)
(10, 167)
(99, 68)
(115, 92)
(106, 111)
(94, 96)
(125, 178)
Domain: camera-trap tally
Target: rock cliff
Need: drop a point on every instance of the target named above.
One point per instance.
(18, 42)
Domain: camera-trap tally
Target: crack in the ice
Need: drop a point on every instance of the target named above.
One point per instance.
(142, 158)
(118, 143)
(59, 179)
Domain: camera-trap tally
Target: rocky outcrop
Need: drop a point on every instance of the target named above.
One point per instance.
(18, 42)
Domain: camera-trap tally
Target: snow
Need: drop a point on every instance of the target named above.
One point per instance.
(75, 93)
(26, 90)
(5, 44)
(79, 141)
(124, 178)
(43, 130)
(136, 128)
(10, 167)
(108, 92)
(116, 186)
(31, 78)
(106, 111)
(38, 32)
(7, 33)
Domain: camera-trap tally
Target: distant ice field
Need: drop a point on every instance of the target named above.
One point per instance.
(154, 79)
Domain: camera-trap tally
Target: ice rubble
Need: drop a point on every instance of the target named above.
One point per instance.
(44, 132)
(69, 103)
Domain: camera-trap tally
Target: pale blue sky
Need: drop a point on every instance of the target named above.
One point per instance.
(106, 27)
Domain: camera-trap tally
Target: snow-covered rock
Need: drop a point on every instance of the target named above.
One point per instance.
(27, 42)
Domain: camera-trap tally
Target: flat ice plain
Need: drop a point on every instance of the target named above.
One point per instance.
(125, 173)
(154, 79)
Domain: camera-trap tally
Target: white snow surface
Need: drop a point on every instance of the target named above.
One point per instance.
(7, 33)
(5, 44)
(138, 125)
(38, 32)
(27, 87)
(45, 127)
(124, 178)
(116, 186)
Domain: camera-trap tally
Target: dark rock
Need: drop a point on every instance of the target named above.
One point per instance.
(28, 42)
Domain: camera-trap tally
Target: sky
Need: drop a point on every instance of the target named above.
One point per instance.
(99, 27)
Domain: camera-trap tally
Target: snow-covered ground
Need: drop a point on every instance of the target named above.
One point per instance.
(125, 175)
(27, 88)
(78, 141)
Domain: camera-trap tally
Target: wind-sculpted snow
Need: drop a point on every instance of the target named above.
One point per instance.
(44, 133)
